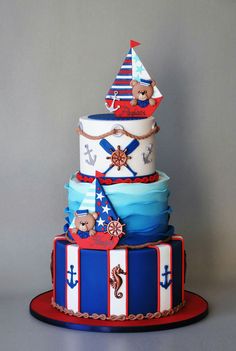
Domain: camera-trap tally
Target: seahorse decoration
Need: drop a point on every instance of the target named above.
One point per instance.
(116, 281)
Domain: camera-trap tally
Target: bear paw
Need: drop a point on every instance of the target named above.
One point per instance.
(152, 102)
(92, 232)
(133, 102)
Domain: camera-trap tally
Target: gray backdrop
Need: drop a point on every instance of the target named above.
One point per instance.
(58, 58)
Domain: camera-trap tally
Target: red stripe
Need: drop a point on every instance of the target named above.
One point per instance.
(127, 281)
(125, 72)
(79, 279)
(122, 82)
(108, 283)
(127, 60)
(171, 277)
(183, 263)
(158, 278)
(66, 302)
(54, 270)
(120, 92)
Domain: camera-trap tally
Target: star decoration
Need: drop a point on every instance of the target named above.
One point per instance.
(100, 196)
(100, 221)
(105, 209)
(119, 158)
(139, 69)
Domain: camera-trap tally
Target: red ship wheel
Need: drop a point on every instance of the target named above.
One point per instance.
(119, 158)
(115, 228)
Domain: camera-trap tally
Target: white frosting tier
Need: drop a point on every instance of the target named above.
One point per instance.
(93, 157)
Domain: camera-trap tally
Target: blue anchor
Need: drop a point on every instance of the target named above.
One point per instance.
(71, 282)
(166, 283)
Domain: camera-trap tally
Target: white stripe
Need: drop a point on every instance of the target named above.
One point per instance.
(88, 201)
(121, 97)
(124, 77)
(129, 55)
(72, 294)
(118, 305)
(90, 194)
(126, 66)
(165, 260)
(121, 87)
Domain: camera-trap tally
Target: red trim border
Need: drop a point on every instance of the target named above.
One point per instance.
(109, 181)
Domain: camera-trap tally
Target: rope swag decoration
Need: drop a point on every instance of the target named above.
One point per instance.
(117, 131)
(121, 317)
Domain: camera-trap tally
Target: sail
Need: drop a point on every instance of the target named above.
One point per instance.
(95, 223)
(120, 94)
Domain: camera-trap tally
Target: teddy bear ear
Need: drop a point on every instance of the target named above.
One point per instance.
(95, 215)
(133, 83)
(153, 83)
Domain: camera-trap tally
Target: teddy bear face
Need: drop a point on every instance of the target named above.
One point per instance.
(86, 222)
(142, 92)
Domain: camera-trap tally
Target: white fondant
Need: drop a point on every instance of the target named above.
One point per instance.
(72, 294)
(97, 127)
(118, 305)
(165, 294)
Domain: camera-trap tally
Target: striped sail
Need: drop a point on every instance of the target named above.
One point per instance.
(131, 69)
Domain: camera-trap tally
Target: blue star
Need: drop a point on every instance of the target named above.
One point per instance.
(139, 69)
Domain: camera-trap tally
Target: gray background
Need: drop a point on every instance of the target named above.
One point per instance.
(58, 58)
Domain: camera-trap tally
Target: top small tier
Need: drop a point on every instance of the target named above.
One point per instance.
(117, 147)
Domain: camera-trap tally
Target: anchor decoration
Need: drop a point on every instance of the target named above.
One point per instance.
(111, 108)
(116, 281)
(119, 158)
(95, 224)
(166, 282)
(130, 77)
(71, 282)
(146, 155)
(91, 160)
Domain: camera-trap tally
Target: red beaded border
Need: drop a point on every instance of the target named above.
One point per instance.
(108, 181)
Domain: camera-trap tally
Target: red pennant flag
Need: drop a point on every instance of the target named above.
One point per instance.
(134, 43)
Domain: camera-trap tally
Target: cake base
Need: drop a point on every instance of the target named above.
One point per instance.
(196, 308)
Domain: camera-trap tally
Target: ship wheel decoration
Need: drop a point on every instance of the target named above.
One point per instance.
(119, 157)
(115, 228)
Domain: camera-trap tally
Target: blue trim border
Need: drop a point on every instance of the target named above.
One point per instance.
(112, 117)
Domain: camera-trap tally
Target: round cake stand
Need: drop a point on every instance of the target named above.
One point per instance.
(196, 308)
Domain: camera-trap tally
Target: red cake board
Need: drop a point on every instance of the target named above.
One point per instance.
(196, 308)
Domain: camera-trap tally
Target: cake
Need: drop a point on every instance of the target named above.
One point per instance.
(119, 259)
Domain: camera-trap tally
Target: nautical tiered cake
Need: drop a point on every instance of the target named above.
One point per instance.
(119, 258)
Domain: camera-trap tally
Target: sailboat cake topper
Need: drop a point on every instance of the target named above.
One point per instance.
(133, 93)
(95, 224)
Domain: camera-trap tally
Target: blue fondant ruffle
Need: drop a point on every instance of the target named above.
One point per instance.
(142, 207)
